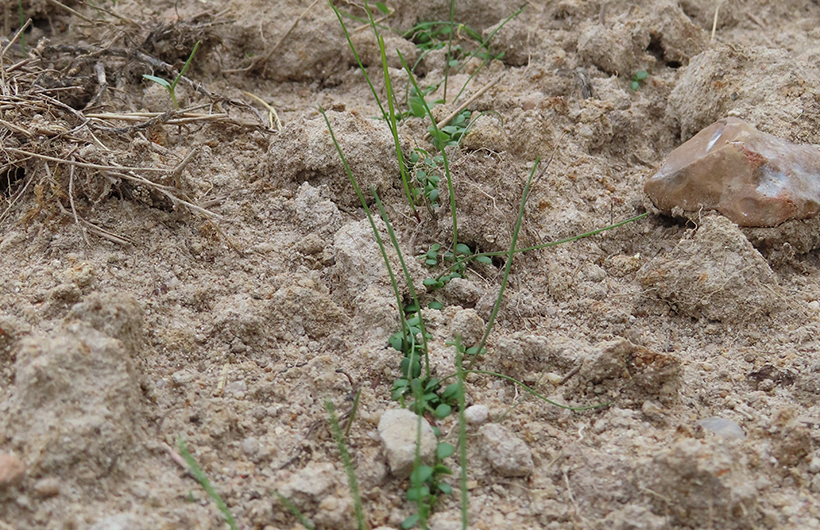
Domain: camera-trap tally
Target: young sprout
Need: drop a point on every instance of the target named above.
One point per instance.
(639, 77)
(171, 87)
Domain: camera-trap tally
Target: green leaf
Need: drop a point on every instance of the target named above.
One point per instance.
(397, 341)
(405, 364)
(411, 308)
(443, 410)
(450, 392)
(430, 282)
(433, 195)
(474, 350)
(442, 470)
(453, 63)
(417, 107)
(635, 85)
(420, 475)
(461, 248)
(431, 262)
(443, 450)
(418, 492)
(383, 8)
(157, 80)
(640, 75)
(411, 521)
(445, 489)
(484, 259)
(436, 305)
(414, 157)
(421, 176)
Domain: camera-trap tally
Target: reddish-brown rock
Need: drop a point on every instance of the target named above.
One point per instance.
(753, 178)
(12, 470)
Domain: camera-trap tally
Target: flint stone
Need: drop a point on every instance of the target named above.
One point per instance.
(753, 178)
(398, 429)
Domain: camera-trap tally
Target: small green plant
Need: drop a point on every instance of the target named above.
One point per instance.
(426, 485)
(347, 461)
(200, 476)
(171, 87)
(638, 79)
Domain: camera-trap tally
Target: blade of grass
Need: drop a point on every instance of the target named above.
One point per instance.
(358, 60)
(546, 245)
(392, 123)
(379, 241)
(407, 278)
(352, 415)
(443, 151)
(462, 437)
(200, 476)
(348, 464)
(510, 255)
(449, 47)
(533, 392)
(389, 117)
(294, 510)
(484, 45)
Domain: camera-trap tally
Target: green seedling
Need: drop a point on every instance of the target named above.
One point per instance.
(200, 476)
(452, 133)
(638, 79)
(171, 87)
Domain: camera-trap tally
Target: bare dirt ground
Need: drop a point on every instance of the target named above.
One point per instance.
(211, 277)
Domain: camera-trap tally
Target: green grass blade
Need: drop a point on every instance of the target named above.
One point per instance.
(348, 464)
(462, 437)
(443, 151)
(510, 255)
(449, 47)
(358, 60)
(200, 476)
(294, 510)
(379, 241)
(407, 278)
(184, 68)
(533, 392)
(392, 122)
(591, 233)
(485, 45)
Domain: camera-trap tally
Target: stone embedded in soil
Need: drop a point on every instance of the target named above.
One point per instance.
(476, 414)
(469, 326)
(120, 521)
(630, 370)
(12, 470)
(47, 487)
(309, 486)
(722, 427)
(714, 274)
(508, 455)
(75, 404)
(304, 152)
(697, 482)
(753, 178)
(398, 429)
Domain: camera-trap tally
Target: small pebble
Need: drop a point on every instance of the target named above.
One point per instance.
(47, 487)
(398, 429)
(508, 455)
(722, 427)
(12, 470)
(476, 414)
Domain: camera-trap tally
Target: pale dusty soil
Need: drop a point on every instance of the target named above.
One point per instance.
(233, 340)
